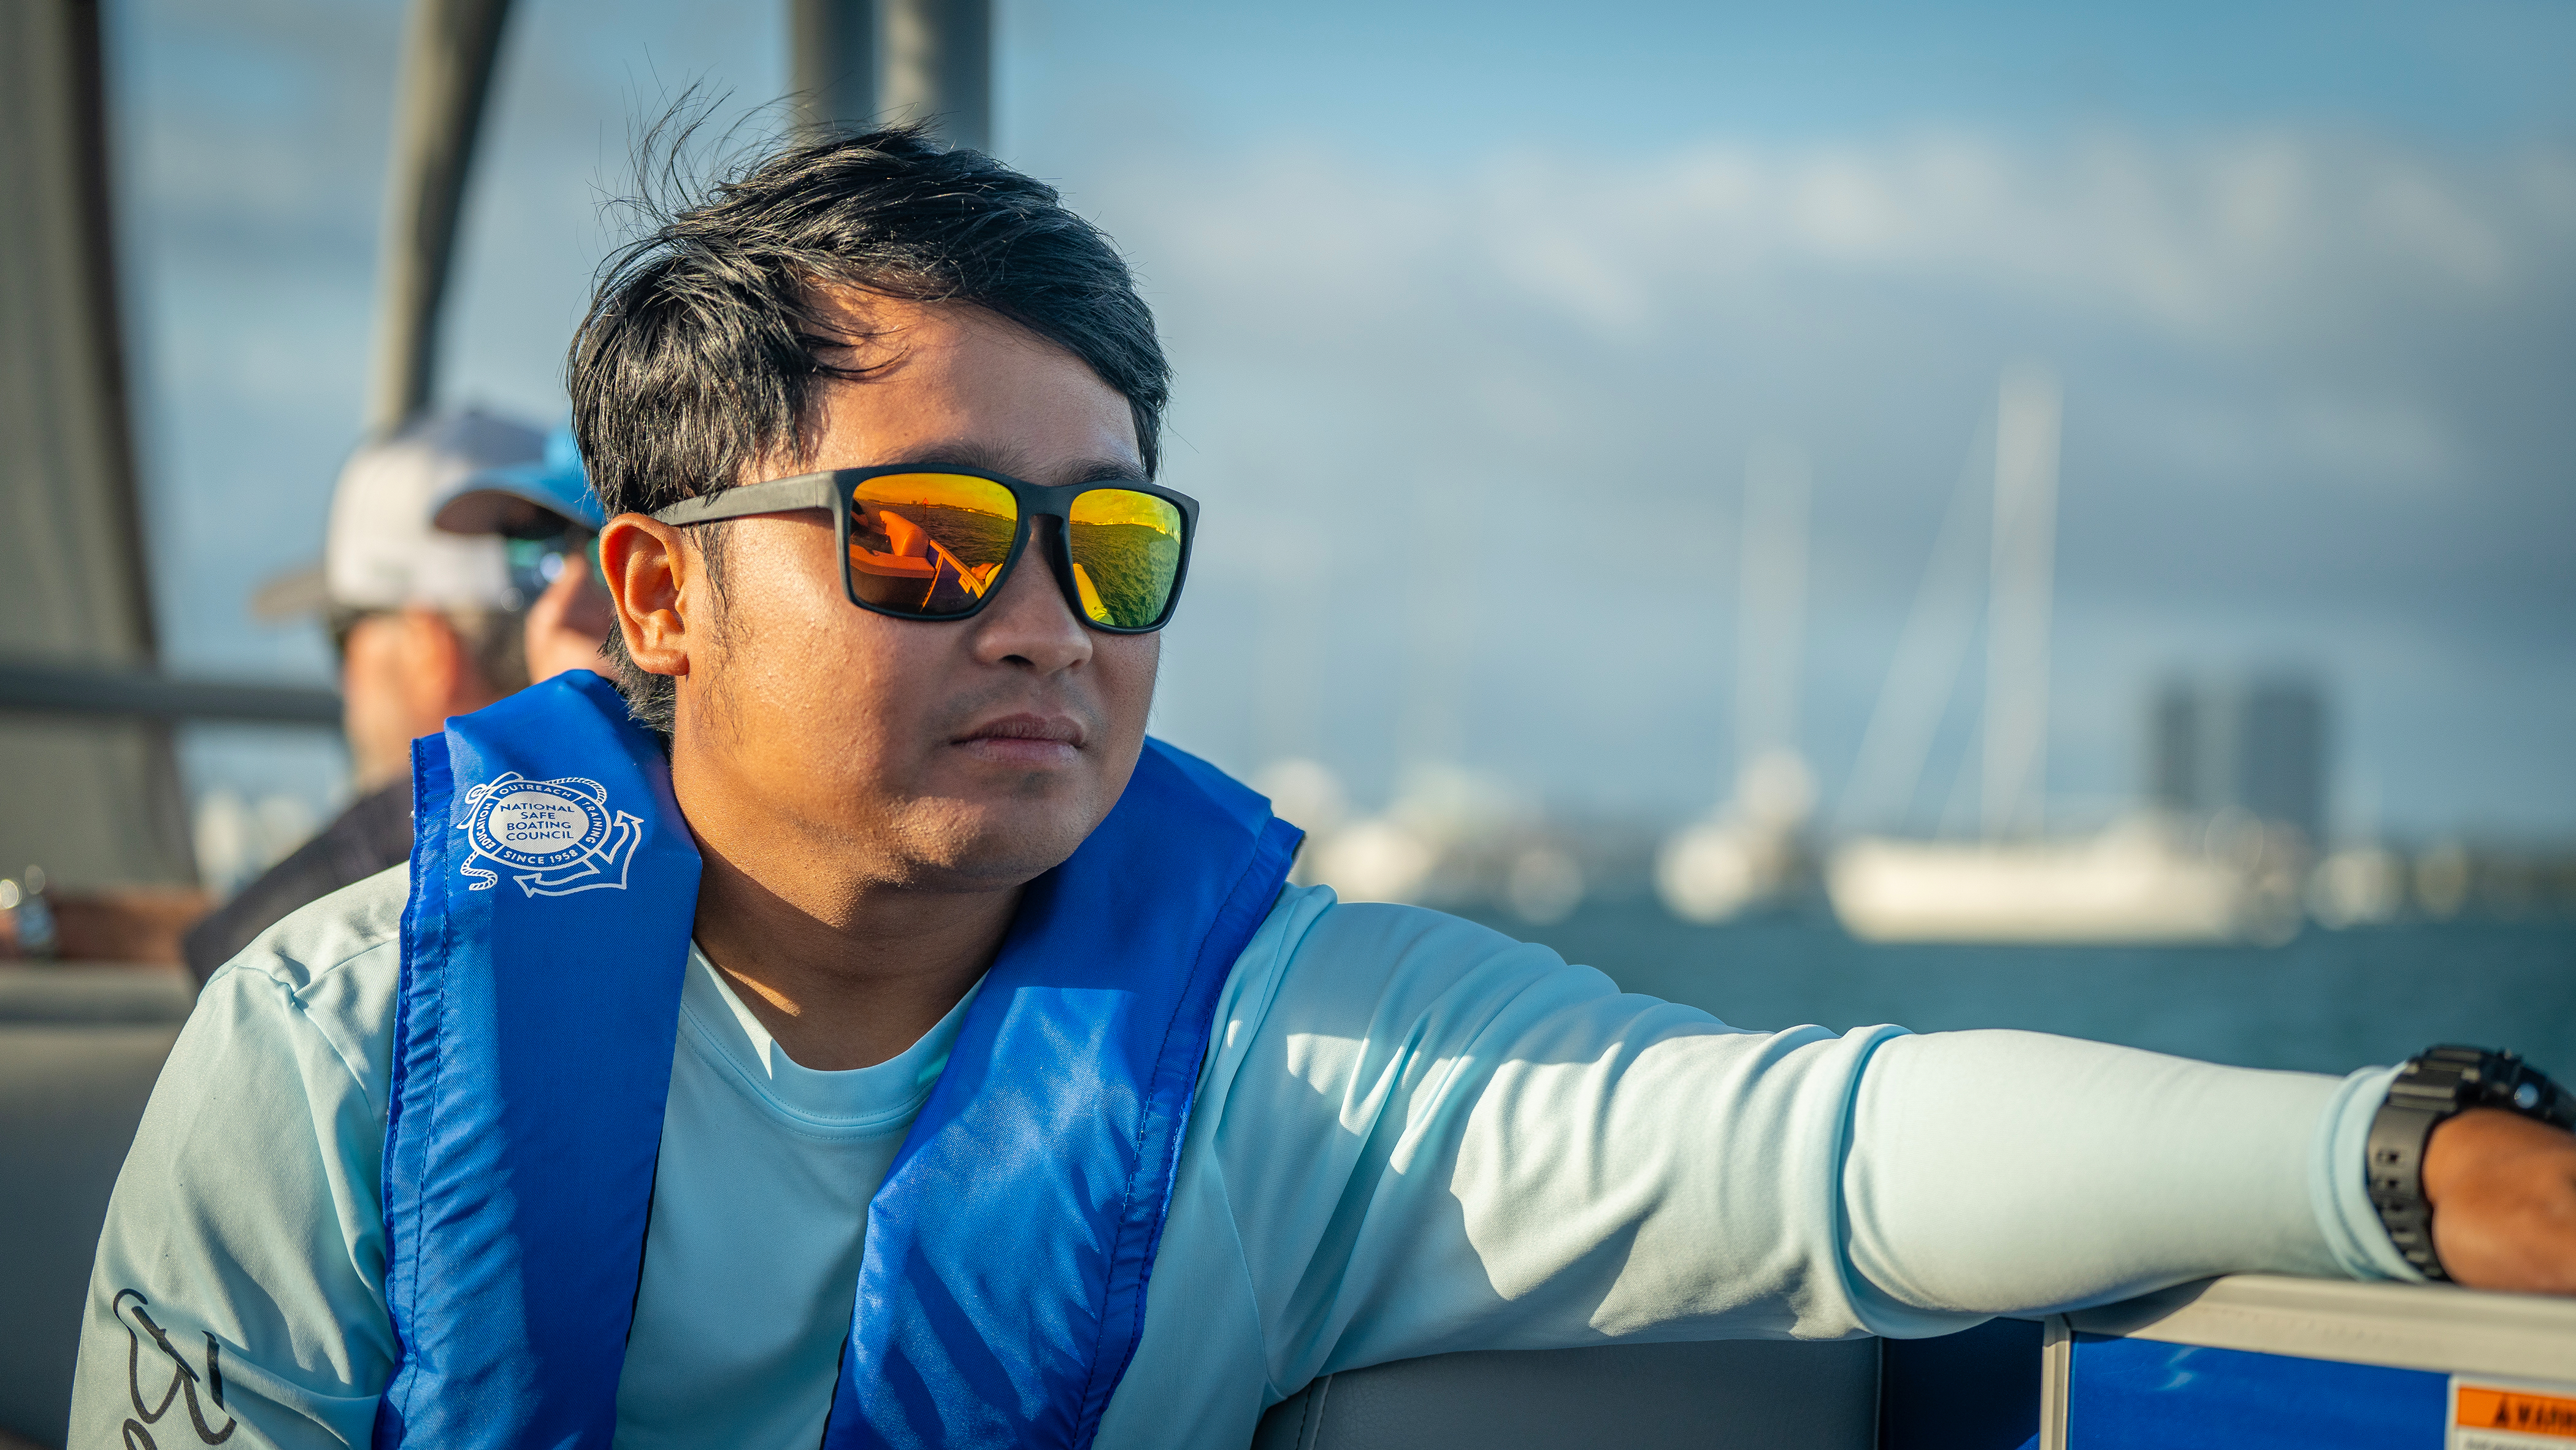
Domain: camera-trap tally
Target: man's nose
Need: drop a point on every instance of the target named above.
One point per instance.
(1027, 622)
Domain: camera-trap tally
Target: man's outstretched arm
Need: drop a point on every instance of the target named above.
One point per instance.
(1434, 1138)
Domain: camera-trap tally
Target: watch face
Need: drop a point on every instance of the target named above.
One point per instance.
(2452, 1079)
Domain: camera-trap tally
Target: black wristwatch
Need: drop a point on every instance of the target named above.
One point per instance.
(2438, 1083)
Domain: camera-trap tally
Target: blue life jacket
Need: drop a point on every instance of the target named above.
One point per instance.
(1002, 1287)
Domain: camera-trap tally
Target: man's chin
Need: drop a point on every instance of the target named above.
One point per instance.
(988, 843)
(989, 781)
(989, 820)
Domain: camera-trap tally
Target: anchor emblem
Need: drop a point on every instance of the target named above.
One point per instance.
(560, 835)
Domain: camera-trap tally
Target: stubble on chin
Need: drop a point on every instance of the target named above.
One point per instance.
(935, 842)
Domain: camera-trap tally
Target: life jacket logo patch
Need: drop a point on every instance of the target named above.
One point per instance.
(559, 836)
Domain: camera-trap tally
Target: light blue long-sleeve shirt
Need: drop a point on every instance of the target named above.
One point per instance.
(1412, 1135)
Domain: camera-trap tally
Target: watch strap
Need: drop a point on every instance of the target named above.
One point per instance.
(2437, 1084)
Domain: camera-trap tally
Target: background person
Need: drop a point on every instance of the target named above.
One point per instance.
(550, 522)
(426, 623)
(121, 924)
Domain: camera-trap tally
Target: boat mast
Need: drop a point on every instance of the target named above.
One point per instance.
(1770, 775)
(2023, 563)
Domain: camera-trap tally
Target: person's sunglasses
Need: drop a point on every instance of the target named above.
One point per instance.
(919, 541)
(535, 563)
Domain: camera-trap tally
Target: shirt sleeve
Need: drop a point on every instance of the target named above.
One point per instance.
(238, 1296)
(1434, 1138)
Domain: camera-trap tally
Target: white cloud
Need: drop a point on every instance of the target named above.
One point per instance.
(2219, 243)
(2271, 341)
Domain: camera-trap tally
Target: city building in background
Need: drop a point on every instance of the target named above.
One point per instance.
(2253, 745)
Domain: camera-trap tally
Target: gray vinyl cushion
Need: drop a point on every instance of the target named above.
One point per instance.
(1742, 1394)
(70, 1096)
(95, 994)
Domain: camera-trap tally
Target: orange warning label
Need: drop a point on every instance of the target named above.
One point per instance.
(2518, 1411)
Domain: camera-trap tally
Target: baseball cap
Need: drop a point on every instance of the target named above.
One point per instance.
(525, 499)
(381, 552)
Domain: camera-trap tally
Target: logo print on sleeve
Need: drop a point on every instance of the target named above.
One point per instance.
(555, 837)
(183, 1378)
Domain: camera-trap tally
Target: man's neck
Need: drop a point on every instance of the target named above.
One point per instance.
(844, 976)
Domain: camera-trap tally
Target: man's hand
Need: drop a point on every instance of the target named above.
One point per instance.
(2503, 1191)
(569, 622)
(131, 924)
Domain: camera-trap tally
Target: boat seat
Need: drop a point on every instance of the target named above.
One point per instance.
(79, 1050)
(1978, 1390)
(1776, 1394)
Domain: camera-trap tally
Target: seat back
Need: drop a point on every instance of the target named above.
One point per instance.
(1974, 1390)
(79, 1050)
(1776, 1394)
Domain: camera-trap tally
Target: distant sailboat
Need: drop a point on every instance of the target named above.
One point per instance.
(2141, 881)
(1451, 835)
(1751, 850)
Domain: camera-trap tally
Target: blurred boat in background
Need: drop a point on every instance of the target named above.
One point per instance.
(1451, 837)
(2139, 882)
(2149, 878)
(1752, 851)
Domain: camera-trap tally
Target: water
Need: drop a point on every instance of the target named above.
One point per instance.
(2328, 1002)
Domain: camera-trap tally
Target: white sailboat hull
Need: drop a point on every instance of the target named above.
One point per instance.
(2118, 888)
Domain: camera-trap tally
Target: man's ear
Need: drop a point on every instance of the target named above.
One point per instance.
(656, 581)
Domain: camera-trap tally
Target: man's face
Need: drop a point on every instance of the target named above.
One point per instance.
(948, 756)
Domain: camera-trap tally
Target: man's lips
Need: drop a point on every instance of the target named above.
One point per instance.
(1024, 740)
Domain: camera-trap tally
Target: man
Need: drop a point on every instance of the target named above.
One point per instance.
(548, 521)
(426, 624)
(896, 1047)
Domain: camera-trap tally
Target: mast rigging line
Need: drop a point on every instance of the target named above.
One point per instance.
(1923, 674)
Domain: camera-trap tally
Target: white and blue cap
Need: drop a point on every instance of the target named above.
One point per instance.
(380, 551)
(523, 500)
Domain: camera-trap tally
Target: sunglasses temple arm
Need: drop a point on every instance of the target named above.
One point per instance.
(778, 496)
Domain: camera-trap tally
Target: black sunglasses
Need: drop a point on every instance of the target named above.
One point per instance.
(922, 541)
(536, 562)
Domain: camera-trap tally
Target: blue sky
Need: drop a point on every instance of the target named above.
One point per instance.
(2308, 273)
(1451, 80)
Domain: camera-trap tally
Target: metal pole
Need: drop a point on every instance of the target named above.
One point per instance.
(49, 687)
(448, 50)
(832, 63)
(939, 67)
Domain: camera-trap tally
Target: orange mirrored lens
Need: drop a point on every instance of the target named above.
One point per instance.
(1126, 555)
(929, 543)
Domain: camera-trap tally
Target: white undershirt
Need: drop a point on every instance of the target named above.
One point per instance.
(760, 1204)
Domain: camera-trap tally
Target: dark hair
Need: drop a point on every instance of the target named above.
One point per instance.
(698, 356)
